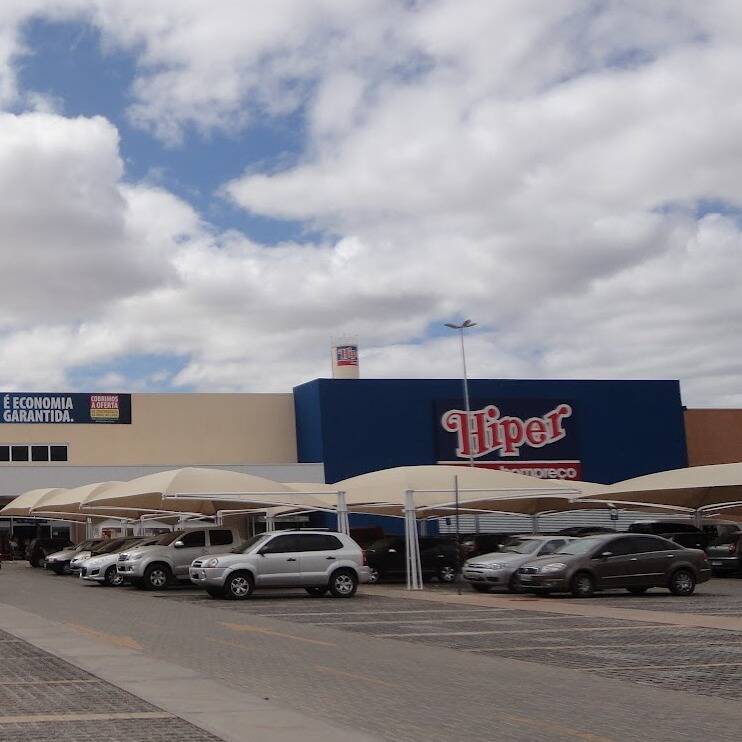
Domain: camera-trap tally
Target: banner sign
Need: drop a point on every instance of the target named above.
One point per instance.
(41, 407)
(346, 355)
(537, 437)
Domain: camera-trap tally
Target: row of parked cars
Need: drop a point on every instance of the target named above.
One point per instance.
(665, 554)
(579, 561)
(219, 561)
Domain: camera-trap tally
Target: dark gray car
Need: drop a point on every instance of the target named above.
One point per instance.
(631, 561)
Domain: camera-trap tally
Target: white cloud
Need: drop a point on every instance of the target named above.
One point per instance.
(537, 166)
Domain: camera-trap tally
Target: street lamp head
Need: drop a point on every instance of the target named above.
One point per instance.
(463, 326)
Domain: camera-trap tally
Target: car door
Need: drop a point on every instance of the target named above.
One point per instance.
(194, 546)
(221, 540)
(619, 568)
(654, 557)
(278, 562)
(317, 553)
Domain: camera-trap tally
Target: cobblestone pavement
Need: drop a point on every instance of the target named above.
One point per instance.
(45, 699)
(413, 670)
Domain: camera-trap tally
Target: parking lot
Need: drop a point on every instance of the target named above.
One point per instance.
(698, 660)
(426, 667)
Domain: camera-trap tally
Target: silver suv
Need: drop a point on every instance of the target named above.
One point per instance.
(157, 566)
(317, 561)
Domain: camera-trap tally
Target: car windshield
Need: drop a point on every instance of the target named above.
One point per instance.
(384, 543)
(108, 546)
(242, 548)
(580, 546)
(527, 546)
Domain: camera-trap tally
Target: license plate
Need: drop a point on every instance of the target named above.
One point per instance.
(715, 564)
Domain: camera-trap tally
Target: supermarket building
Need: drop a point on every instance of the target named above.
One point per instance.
(330, 429)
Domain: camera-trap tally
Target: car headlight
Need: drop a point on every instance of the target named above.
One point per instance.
(554, 567)
(134, 557)
(212, 562)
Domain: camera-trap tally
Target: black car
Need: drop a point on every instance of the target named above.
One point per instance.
(474, 544)
(39, 548)
(579, 531)
(662, 527)
(438, 558)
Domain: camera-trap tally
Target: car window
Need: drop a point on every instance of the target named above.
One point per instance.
(551, 546)
(281, 545)
(194, 539)
(642, 544)
(220, 537)
(317, 542)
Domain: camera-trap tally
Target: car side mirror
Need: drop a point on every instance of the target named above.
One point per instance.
(178, 544)
(263, 552)
(606, 554)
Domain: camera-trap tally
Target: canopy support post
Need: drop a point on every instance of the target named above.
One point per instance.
(343, 523)
(270, 522)
(534, 524)
(412, 545)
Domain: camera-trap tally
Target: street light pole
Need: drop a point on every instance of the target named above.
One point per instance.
(463, 326)
(466, 324)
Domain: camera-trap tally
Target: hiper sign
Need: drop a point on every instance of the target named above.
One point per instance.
(529, 436)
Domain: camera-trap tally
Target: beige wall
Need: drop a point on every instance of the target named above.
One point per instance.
(713, 436)
(178, 429)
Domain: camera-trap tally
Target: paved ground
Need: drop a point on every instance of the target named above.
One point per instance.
(438, 667)
(44, 698)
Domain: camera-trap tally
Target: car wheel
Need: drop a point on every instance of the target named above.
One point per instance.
(57, 570)
(583, 585)
(480, 588)
(34, 562)
(112, 578)
(156, 577)
(374, 576)
(239, 586)
(343, 584)
(447, 573)
(682, 582)
(316, 592)
(637, 590)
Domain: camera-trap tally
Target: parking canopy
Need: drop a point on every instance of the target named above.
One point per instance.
(65, 504)
(383, 492)
(21, 506)
(200, 491)
(692, 489)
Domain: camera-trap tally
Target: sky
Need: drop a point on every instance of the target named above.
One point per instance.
(199, 197)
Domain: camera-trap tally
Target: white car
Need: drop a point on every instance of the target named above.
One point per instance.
(101, 565)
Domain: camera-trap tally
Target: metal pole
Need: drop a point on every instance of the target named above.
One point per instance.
(467, 406)
(458, 533)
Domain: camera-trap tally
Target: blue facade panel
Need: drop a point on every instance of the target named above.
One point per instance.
(620, 429)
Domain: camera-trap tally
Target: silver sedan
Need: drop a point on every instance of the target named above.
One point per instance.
(500, 568)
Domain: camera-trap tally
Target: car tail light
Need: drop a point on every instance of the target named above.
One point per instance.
(365, 559)
(733, 547)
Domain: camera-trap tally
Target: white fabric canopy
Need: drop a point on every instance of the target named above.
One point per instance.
(21, 505)
(66, 503)
(197, 490)
(693, 488)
